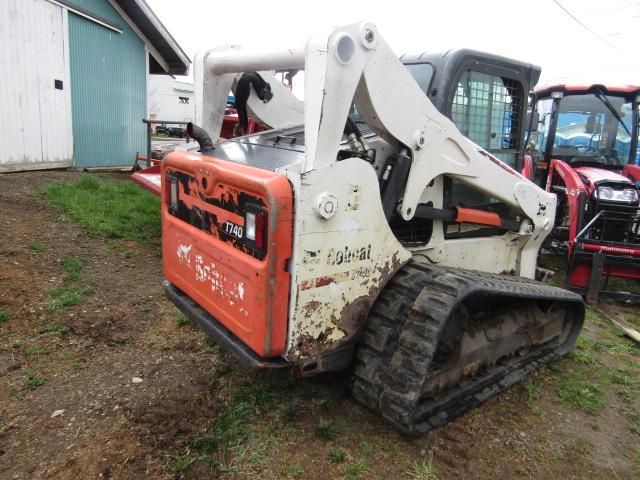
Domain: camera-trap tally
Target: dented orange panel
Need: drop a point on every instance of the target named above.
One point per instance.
(207, 252)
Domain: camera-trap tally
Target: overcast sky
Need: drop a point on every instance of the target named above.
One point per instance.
(572, 40)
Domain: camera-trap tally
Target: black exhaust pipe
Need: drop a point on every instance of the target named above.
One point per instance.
(200, 136)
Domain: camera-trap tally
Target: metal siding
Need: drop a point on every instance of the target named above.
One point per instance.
(108, 78)
(35, 124)
(164, 102)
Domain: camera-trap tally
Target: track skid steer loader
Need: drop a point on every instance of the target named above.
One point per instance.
(289, 247)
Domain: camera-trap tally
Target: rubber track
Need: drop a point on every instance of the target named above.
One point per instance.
(393, 357)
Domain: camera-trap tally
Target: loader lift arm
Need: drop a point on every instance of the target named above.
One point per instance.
(354, 64)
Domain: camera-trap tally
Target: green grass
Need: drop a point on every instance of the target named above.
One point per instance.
(233, 426)
(34, 350)
(337, 455)
(624, 285)
(634, 415)
(580, 445)
(74, 267)
(182, 320)
(533, 389)
(69, 293)
(295, 469)
(230, 427)
(586, 350)
(67, 296)
(367, 449)
(211, 343)
(222, 369)
(180, 463)
(422, 470)
(5, 316)
(108, 208)
(37, 247)
(54, 329)
(356, 469)
(239, 438)
(33, 382)
(588, 376)
(326, 429)
(576, 391)
(624, 384)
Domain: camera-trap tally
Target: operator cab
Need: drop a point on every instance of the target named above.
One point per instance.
(591, 126)
(583, 145)
(485, 95)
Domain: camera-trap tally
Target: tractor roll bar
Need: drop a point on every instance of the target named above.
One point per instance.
(239, 60)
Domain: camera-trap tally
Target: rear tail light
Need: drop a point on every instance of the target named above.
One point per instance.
(260, 233)
(250, 226)
(254, 228)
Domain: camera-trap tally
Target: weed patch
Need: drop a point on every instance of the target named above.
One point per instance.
(295, 469)
(337, 455)
(34, 350)
(422, 470)
(37, 247)
(210, 342)
(367, 449)
(182, 320)
(533, 389)
(107, 208)
(54, 329)
(5, 316)
(33, 382)
(356, 469)
(180, 463)
(326, 429)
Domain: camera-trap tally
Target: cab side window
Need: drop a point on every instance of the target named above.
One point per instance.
(486, 109)
(422, 73)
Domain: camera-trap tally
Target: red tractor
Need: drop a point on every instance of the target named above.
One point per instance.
(583, 145)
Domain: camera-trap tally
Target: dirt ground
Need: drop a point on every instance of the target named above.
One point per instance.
(136, 386)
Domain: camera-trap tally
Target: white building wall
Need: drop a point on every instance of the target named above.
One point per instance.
(164, 99)
(35, 123)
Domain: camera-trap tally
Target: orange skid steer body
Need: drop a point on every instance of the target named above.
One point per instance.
(227, 232)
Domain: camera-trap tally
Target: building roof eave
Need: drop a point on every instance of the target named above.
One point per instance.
(173, 59)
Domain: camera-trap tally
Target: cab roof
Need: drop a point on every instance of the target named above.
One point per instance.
(570, 88)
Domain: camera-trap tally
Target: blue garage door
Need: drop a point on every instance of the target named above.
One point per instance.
(108, 89)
